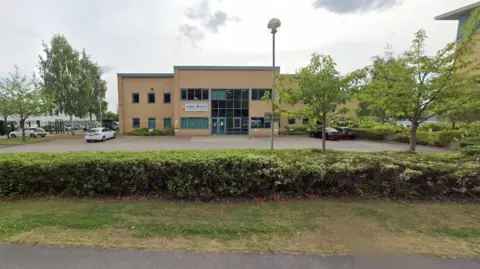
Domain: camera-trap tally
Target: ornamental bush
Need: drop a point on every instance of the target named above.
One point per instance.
(154, 132)
(244, 174)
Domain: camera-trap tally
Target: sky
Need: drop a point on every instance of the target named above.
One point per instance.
(143, 36)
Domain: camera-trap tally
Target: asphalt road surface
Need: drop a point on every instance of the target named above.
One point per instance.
(206, 143)
(44, 257)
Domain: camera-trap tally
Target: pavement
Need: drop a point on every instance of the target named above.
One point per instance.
(132, 143)
(45, 257)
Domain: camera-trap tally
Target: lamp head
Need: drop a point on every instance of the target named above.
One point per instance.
(273, 24)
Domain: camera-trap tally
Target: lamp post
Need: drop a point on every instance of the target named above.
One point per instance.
(273, 24)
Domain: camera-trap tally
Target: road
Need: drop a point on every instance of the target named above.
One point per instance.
(44, 257)
(206, 143)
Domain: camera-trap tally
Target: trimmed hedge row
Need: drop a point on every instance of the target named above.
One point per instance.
(439, 138)
(210, 175)
(155, 132)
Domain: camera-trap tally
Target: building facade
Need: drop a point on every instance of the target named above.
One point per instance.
(460, 14)
(200, 100)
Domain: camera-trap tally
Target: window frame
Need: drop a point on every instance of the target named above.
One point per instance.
(138, 94)
(264, 125)
(170, 123)
(257, 95)
(203, 123)
(305, 119)
(294, 121)
(165, 94)
(154, 98)
(190, 94)
(148, 122)
(133, 123)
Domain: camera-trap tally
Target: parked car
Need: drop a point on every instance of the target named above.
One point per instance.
(331, 133)
(29, 132)
(347, 133)
(98, 134)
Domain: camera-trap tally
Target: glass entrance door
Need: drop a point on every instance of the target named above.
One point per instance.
(218, 126)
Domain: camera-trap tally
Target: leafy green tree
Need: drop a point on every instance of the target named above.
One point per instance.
(416, 86)
(319, 87)
(25, 98)
(110, 116)
(5, 111)
(60, 71)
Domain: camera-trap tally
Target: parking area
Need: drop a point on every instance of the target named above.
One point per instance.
(207, 142)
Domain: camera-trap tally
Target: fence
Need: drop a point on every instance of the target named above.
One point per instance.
(55, 126)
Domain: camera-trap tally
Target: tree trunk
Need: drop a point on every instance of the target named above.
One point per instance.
(413, 136)
(324, 125)
(71, 125)
(453, 125)
(5, 126)
(22, 126)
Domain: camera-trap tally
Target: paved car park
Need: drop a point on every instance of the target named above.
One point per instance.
(207, 142)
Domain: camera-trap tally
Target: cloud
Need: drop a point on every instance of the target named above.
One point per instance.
(354, 6)
(203, 18)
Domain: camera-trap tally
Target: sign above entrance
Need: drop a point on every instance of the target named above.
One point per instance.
(196, 107)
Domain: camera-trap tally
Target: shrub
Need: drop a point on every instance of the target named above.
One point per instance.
(435, 127)
(471, 150)
(155, 132)
(296, 130)
(469, 141)
(209, 175)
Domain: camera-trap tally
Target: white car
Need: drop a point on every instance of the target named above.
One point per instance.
(99, 134)
(29, 132)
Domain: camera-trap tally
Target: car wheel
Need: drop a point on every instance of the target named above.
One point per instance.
(87, 141)
(33, 135)
(103, 139)
(13, 136)
(114, 136)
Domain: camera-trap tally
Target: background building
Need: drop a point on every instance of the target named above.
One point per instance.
(460, 14)
(200, 100)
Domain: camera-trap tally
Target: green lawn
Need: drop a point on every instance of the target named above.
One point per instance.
(316, 227)
(20, 141)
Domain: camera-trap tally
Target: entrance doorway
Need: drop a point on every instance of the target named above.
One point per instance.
(219, 126)
(230, 107)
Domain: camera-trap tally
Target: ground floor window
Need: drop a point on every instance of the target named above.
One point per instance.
(152, 123)
(167, 123)
(305, 121)
(259, 123)
(194, 123)
(291, 121)
(136, 123)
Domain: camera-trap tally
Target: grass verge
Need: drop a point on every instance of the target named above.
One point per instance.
(20, 141)
(315, 227)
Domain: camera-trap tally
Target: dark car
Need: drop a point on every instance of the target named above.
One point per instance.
(347, 133)
(331, 133)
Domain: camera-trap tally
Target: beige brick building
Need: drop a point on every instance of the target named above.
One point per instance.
(200, 100)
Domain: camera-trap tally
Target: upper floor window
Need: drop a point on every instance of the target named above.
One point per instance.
(167, 98)
(194, 94)
(135, 98)
(257, 94)
(151, 98)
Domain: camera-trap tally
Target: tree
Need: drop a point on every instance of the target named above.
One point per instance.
(60, 71)
(416, 86)
(318, 86)
(5, 111)
(110, 116)
(25, 98)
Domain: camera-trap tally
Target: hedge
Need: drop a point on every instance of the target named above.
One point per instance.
(243, 174)
(154, 132)
(440, 138)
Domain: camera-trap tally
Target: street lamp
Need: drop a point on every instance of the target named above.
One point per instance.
(273, 24)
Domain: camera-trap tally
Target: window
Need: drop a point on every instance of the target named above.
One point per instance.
(167, 98)
(135, 98)
(259, 123)
(194, 94)
(152, 123)
(136, 123)
(291, 121)
(333, 110)
(167, 123)
(194, 123)
(257, 94)
(151, 98)
(305, 121)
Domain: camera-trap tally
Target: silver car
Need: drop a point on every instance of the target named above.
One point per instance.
(29, 132)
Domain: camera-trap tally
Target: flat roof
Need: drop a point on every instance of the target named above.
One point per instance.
(145, 75)
(241, 68)
(457, 13)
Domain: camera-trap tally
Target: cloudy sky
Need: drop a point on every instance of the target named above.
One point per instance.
(153, 35)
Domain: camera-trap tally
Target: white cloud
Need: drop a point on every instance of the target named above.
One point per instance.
(142, 35)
